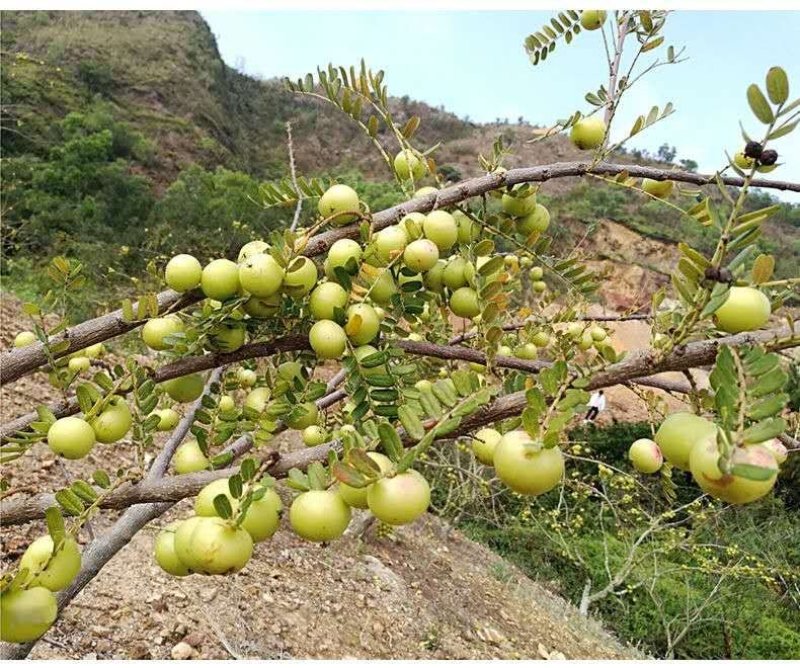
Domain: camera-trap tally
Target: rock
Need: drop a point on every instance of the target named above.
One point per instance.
(207, 595)
(182, 651)
(195, 639)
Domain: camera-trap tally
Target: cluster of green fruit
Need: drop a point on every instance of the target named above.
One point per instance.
(73, 364)
(28, 607)
(689, 442)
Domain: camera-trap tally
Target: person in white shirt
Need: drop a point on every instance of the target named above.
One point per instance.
(597, 403)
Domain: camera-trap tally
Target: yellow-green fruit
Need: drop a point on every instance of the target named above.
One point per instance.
(220, 279)
(678, 435)
(380, 281)
(308, 415)
(536, 273)
(484, 443)
(363, 324)
(260, 275)
(185, 389)
(252, 248)
(156, 330)
(337, 201)
(539, 286)
(454, 275)
(464, 303)
(505, 351)
(113, 423)
(319, 516)
(592, 19)
(213, 546)
(586, 340)
(407, 163)
(588, 133)
(263, 515)
(743, 162)
(79, 364)
(745, 310)
(527, 351)
(325, 299)
(441, 228)
(400, 499)
(25, 338)
(183, 272)
(53, 572)
(365, 351)
(468, 229)
(290, 370)
(731, 487)
(425, 190)
(246, 377)
(657, 188)
(356, 497)
(328, 339)
(525, 466)
(537, 220)
(204, 501)
(645, 455)
(540, 339)
(390, 242)
(314, 435)
(168, 419)
(263, 307)
(301, 277)
(421, 255)
(227, 338)
(598, 333)
(434, 277)
(342, 253)
(412, 224)
(517, 206)
(257, 399)
(574, 329)
(189, 458)
(71, 437)
(26, 614)
(164, 551)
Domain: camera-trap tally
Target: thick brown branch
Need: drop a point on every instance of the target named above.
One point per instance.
(20, 361)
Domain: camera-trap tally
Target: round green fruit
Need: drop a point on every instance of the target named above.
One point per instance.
(26, 614)
(263, 307)
(656, 188)
(79, 364)
(213, 546)
(252, 248)
(527, 467)
(342, 253)
(340, 203)
(220, 279)
(536, 273)
(328, 339)
(434, 277)
(540, 339)
(745, 310)
(319, 516)
(365, 351)
(356, 497)
(183, 272)
(421, 255)
(291, 370)
(408, 164)
(400, 499)
(261, 275)
(484, 443)
(678, 435)
(537, 220)
(25, 338)
(185, 388)
(156, 330)
(454, 275)
(412, 225)
(113, 423)
(314, 435)
(468, 230)
(164, 551)
(381, 283)
(464, 303)
(597, 333)
(71, 437)
(325, 299)
(53, 572)
(308, 415)
(363, 324)
(743, 162)
(588, 133)
(301, 277)
(246, 377)
(189, 458)
(539, 286)
(263, 515)
(441, 228)
(527, 351)
(257, 399)
(425, 190)
(168, 419)
(645, 455)
(516, 206)
(390, 242)
(592, 19)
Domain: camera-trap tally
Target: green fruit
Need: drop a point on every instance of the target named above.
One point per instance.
(327, 339)
(468, 229)
(290, 371)
(363, 324)
(257, 399)
(246, 377)
(157, 329)
(645, 455)
(505, 351)
(592, 19)
(540, 339)
(164, 551)
(342, 253)
(71, 437)
(263, 515)
(597, 333)
(588, 133)
(729, 487)
(189, 458)
(314, 435)
(441, 228)
(453, 275)
(113, 423)
(325, 299)
(407, 163)
(537, 220)
(421, 255)
(464, 303)
(227, 338)
(319, 516)
(527, 467)
(434, 277)
(252, 248)
(25, 338)
(659, 189)
(390, 242)
(412, 225)
(220, 280)
(308, 414)
(527, 351)
(26, 614)
(213, 546)
(425, 190)
(400, 499)
(678, 435)
(745, 310)
(381, 283)
(743, 162)
(539, 286)
(356, 497)
(536, 273)
(337, 201)
(168, 419)
(517, 206)
(301, 277)
(183, 273)
(204, 501)
(261, 275)
(365, 351)
(185, 388)
(78, 364)
(483, 444)
(54, 572)
(263, 307)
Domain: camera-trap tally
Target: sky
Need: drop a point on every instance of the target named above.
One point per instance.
(473, 64)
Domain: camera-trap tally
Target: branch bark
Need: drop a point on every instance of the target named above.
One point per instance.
(21, 361)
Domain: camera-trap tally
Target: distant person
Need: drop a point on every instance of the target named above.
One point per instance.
(597, 403)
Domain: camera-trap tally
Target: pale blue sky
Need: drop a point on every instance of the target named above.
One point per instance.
(473, 63)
